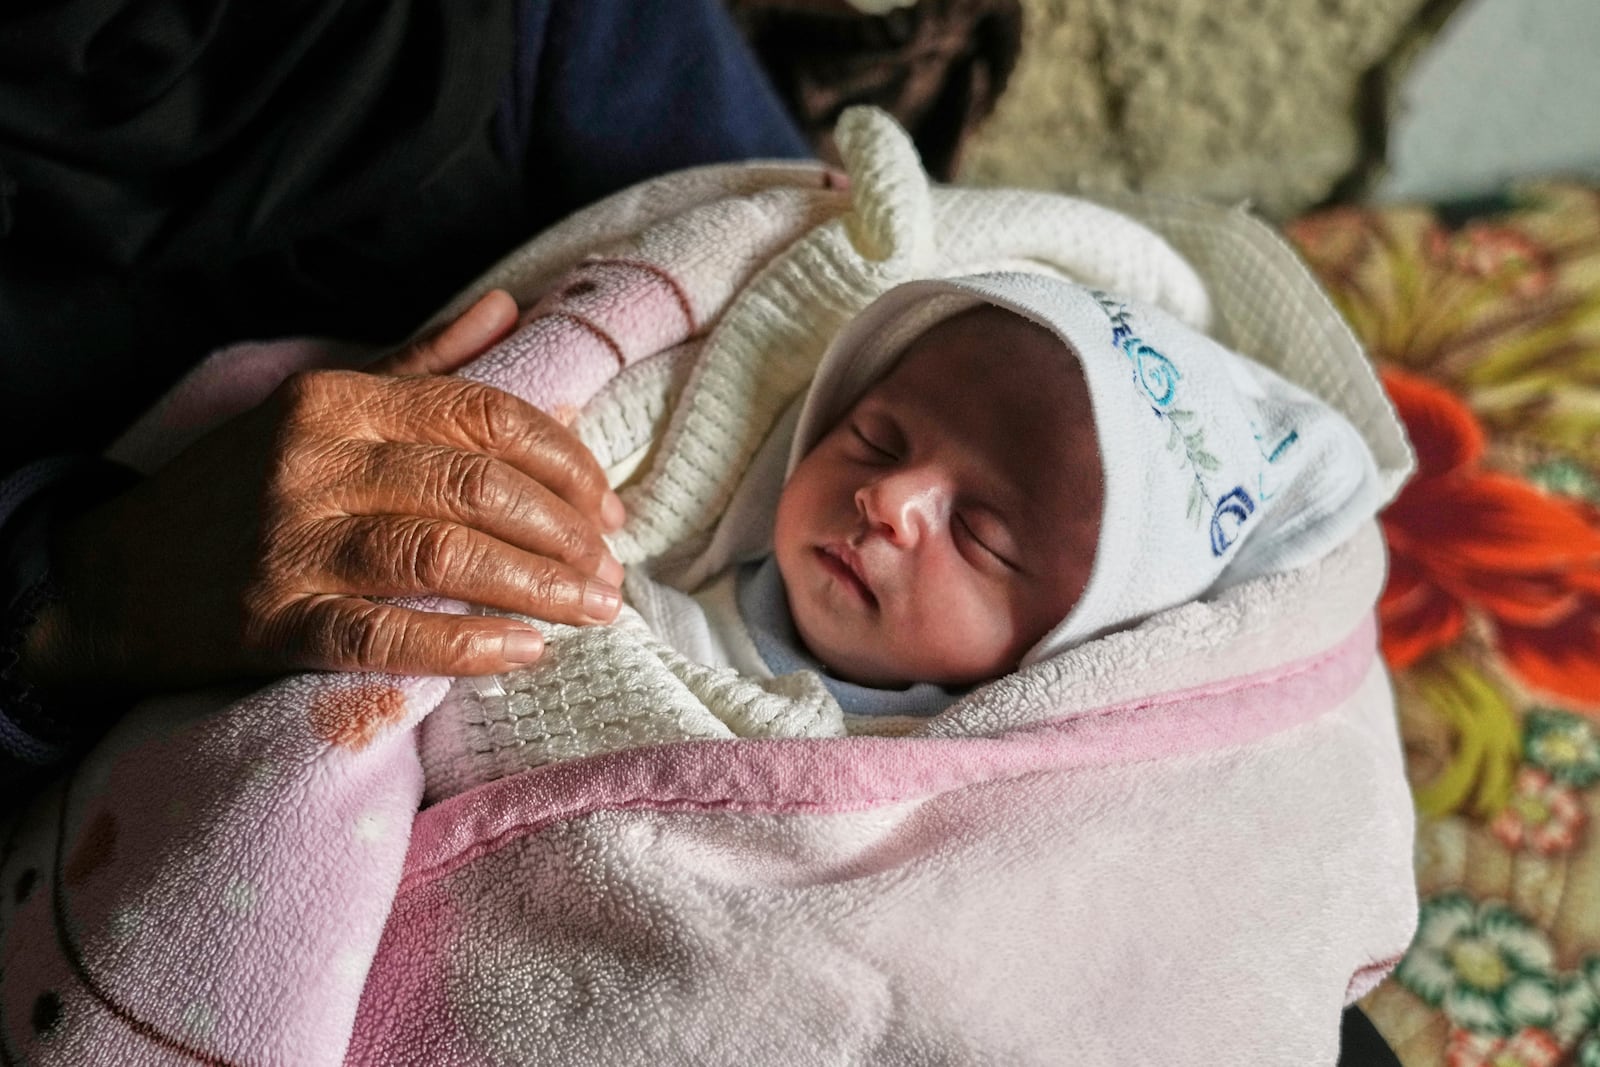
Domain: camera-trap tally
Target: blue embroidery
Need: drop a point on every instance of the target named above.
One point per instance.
(1157, 378)
(1153, 371)
(1271, 457)
(1230, 515)
(1121, 328)
(1282, 447)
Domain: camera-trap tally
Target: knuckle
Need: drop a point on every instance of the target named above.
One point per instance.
(302, 389)
(266, 628)
(503, 424)
(577, 544)
(313, 391)
(363, 551)
(481, 486)
(549, 588)
(438, 550)
(487, 414)
(284, 549)
(361, 639)
(302, 633)
(286, 466)
(378, 467)
(310, 410)
(351, 636)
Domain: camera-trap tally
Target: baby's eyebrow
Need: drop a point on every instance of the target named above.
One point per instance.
(1012, 503)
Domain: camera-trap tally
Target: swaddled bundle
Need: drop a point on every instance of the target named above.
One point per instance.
(1201, 469)
(1172, 467)
(1066, 862)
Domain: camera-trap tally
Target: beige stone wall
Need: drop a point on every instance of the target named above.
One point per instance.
(1256, 100)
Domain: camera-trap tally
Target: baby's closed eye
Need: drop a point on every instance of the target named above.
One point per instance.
(873, 446)
(986, 537)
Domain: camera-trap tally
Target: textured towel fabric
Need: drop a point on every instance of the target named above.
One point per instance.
(1067, 862)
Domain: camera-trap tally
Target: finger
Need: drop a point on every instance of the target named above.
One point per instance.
(407, 555)
(480, 492)
(350, 634)
(472, 333)
(479, 418)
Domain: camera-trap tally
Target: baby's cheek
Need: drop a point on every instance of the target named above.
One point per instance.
(967, 634)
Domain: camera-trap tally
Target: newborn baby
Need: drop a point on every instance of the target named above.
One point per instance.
(950, 518)
(985, 472)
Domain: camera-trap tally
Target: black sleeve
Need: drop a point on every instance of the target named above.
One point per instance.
(164, 132)
(189, 173)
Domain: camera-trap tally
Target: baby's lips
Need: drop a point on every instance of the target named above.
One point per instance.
(850, 560)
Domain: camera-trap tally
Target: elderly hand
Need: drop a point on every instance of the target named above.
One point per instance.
(261, 548)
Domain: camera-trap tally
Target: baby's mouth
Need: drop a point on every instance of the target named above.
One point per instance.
(843, 564)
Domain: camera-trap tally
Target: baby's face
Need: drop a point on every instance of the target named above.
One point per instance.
(950, 519)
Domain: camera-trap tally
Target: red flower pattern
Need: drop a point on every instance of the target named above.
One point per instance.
(1468, 540)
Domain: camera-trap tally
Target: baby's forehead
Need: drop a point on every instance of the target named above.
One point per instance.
(982, 359)
(1008, 389)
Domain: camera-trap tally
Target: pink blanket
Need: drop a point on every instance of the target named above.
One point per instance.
(1186, 843)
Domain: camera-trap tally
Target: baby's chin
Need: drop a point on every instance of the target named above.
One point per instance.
(871, 675)
(852, 661)
(877, 667)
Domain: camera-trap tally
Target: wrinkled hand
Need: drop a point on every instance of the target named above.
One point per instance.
(260, 548)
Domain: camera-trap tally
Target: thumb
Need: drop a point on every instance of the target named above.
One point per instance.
(472, 333)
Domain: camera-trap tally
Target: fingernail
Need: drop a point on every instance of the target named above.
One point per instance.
(609, 571)
(612, 513)
(600, 601)
(522, 646)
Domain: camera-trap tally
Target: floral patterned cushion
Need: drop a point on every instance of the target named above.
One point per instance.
(1485, 323)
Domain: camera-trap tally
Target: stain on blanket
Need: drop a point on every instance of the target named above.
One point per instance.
(352, 716)
(97, 845)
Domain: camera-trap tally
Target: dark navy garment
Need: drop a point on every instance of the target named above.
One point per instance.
(177, 176)
(642, 89)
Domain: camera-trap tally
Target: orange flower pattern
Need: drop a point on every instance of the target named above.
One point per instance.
(1463, 538)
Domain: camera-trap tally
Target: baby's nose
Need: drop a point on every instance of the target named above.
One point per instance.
(906, 504)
